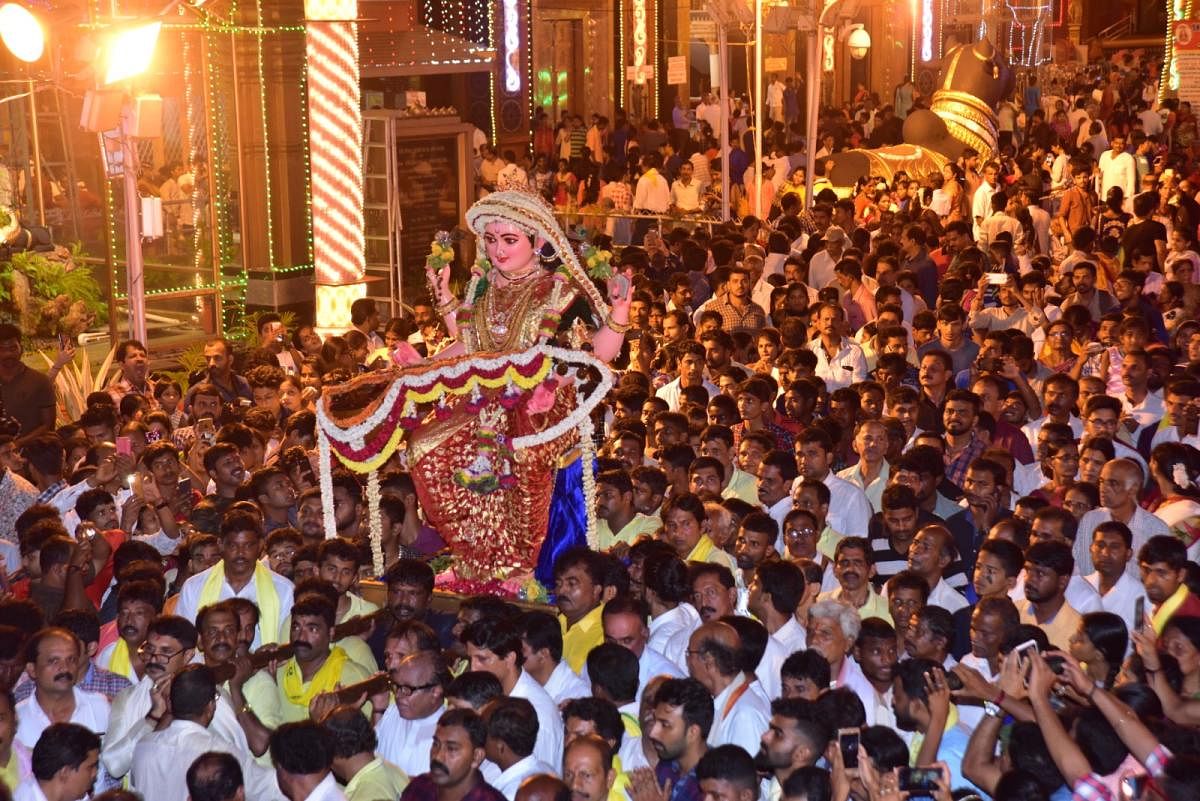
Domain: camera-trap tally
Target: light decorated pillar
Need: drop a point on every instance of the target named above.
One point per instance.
(335, 159)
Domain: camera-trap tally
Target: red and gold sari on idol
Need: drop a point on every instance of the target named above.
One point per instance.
(485, 430)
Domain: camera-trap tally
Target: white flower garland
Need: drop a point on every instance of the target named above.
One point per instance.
(584, 408)
(326, 485)
(587, 456)
(376, 523)
(359, 431)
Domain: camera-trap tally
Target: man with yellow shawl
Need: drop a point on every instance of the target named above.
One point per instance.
(317, 667)
(239, 574)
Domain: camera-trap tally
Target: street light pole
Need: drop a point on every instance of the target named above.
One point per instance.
(723, 99)
(135, 268)
(813, 102)
(758, 108)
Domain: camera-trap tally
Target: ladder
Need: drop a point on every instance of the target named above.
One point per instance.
(58, 161)
(379, 228)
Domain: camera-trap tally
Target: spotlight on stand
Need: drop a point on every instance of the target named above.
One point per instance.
(21, 32)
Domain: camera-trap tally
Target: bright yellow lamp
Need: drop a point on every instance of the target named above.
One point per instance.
(130, 51)
(21, 32)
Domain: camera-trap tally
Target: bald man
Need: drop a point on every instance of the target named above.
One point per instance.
(588, 768)
(543, 787)
(740, 716)
(1121, 482)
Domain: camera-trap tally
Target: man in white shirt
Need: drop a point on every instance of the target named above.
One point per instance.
(158, 757)
(709, 110)
(66, 766)
(512, 175)
(833, 628)
(849, 509)
(542, 644)
(740, 716)
(1152, 122)
(685, 191)
(981, 203)
(691, 374)
(840, 360)
(932, 550)
(1111, 550)
(512, 727)
(1118, 168)
(406, 729)
(775, 592)
(775, 99)
(624, 622)
(1120, 484)
(53, 663)
(495, 646)
(820, 267)
(137, 710)
(672, 617)
(239, 574)
(652, 193)
(303, 762)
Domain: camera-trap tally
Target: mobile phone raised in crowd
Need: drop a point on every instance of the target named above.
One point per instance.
(848, 743)
(1133, 787)
(919, 782)
(184, 487)
(206, 432)
(1139, 613)
(1025, 646)
(124, 446)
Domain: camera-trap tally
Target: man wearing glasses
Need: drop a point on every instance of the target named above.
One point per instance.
(405, 729)
(169, 645)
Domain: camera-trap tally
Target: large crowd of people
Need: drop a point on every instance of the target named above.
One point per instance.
(898, 496)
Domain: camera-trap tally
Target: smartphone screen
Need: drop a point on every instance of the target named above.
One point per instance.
(919, 780)
(205, 431)
(185, 486)
(848, 742)
(124, 446)
(1139, 613)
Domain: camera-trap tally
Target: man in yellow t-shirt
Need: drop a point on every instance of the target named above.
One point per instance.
(366, 777)
(317, 667)
(579, 595)
(338, 564)
(617, 521)
(686, 525)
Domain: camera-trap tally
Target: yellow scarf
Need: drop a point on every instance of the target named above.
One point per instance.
(264, 588)
(704, 547)
(633, 727)
(325, 680)
(918, 739)
(1169, 608)
(120, 663)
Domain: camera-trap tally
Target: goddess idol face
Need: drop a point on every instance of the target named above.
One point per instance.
(509, 249)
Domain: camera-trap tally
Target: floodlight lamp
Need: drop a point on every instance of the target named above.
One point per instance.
(859, 42)
(130, 51)
(21, 32)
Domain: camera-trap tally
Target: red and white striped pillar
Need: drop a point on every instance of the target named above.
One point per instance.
(335, 159)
